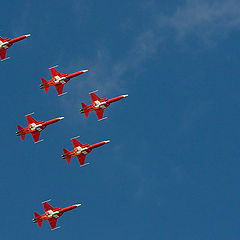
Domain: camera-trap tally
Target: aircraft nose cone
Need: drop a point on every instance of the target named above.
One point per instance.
(85, 70)
(60, 118)
(28, 35)
(126, 95)
(78, 205)
(107, 141)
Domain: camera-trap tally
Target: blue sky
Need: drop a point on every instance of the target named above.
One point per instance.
(171, 170)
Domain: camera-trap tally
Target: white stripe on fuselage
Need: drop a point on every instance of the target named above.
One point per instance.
(50, 213)
(34, 126)
(80, 150)
(59, 79)
(3, 44)
(99, 104)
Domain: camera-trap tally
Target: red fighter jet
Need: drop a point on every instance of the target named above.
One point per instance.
(58, 80)
(80, 150)
(52, 214)
(6, 43)
(99, 104)
(35, 127)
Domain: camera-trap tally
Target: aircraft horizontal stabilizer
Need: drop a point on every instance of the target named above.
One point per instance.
(66, 155)
(37, 219)
(44, 85)
(20, 132)
(84, 110)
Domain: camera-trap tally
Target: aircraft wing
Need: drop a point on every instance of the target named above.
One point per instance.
(94, 97)
(3, 53)
(76, 143)
(99, 113)
(54, 72)
(59, 88)
(36, 136)
(81, 159)
(53, 222)
(47, 206)
(30, 119)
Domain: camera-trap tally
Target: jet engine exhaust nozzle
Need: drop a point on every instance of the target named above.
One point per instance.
(41, 86)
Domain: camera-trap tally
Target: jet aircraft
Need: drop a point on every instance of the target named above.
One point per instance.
(51, 214)
(58, 80)
(80, 150)
(6, 43)
(99, 104)
(35, 127)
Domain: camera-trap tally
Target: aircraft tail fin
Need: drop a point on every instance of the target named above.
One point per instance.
(21, 132)
(85, 110)
(45, 85)
(67, 155)
(38, 219)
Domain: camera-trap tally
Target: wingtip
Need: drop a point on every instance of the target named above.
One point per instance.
(107, 141)
(47, 201)
(94, 91)
(84, 71)
(28, 35)
(60, 118)
(75, 137)
(78, 204)
(126, 95)
(29, 114)
(55, 66)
